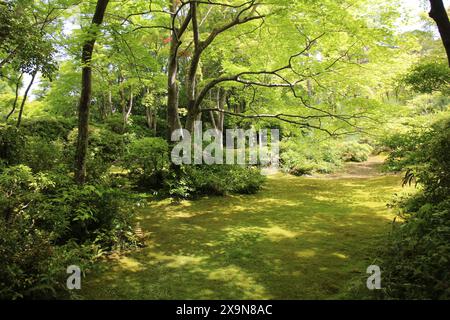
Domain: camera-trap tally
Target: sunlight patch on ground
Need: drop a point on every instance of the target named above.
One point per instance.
(308, 253)
(299, 238)
(235, 276)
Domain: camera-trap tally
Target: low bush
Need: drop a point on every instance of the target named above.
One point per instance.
(355, 152)
(192, 181)
(43, 155)
(12, 143)
(90, 213)
(307, 157)
(416, 258)
(105, 149)
(48, 223)
(147, 159)
(48, 129)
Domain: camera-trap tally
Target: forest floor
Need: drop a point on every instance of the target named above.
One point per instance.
(299, 238)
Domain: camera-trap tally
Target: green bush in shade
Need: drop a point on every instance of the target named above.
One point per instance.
(192, 181)
(416, 258)
(147, 159)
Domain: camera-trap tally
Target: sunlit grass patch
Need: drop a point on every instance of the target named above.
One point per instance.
(299, 238)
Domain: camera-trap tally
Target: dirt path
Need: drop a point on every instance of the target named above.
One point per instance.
(367, 169)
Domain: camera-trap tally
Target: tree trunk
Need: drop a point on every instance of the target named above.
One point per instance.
(16, 97)
(439, 15)
(173, 118)
(110, 104)
(22, 105)
(221, 115)
(86, 90)
(127, 113)
(194, 112)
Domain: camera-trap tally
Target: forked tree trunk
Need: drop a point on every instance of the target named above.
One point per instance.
(86, 91)
(173, 118)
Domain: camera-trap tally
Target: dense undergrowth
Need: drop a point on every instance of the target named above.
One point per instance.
(48, 222)
(416, 259)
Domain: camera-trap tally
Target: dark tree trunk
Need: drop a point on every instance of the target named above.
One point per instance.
(16, 97)
(439, 15)
(25, 95)
(86, 89)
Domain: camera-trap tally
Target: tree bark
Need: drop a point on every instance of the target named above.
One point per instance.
(439, 14)
(16, 97)
(86, 91)
(25, 95)
(173, 118)
(127, 112)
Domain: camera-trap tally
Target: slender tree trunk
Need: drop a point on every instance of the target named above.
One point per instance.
(173, 118)
(16, 98)
(439, 14)
(86, 90)
(221, 115)
(110, 104)
(130, 104)
(194, 112)
(127, 112)
(22, 105)
(149, 117)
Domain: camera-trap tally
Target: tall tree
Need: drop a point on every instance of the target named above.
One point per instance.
(440, 16)
(86, 88)
(172, 85)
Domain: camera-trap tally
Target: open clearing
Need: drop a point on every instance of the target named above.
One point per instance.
(299, 238)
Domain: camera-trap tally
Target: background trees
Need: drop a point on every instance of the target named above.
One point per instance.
(98, 87)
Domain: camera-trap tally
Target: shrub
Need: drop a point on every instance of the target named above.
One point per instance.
(428, 77)
(114, 123)
(48, 223)
(105, 149)
(25, 261)
(90, 213)
(416, 258)
(48, 129)
(356, 152)
(18, 188)
(12, 142)
(302, 157)
(148, 161)
(405, 149)
(31, 267)
(42, 155)
(193, 181)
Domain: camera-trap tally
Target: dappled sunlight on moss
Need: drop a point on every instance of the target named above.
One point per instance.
(174, 261)
(299, 238)
(233, 276)
(130, 264)
(307, 253)
(340, 255)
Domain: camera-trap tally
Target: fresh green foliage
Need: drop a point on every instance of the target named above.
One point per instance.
(192, 181)
(429, 77)
(148, 161)
(418, 253)
(356, 152)
(12, 143)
